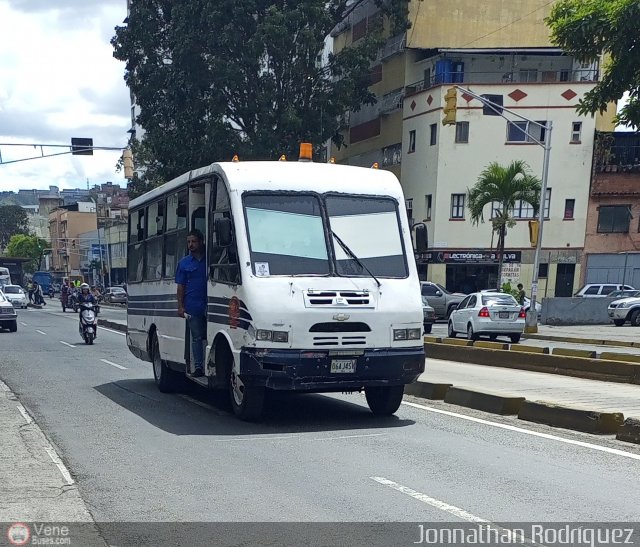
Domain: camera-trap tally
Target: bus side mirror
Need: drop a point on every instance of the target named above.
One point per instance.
(421, 238)
(223, 232)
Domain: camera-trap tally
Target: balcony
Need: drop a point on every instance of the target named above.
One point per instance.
(393, 46)
(617, 152)
(499, 77)
(392, 101)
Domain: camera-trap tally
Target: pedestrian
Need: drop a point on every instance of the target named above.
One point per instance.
(521, 294)
(30, 291)
(38, 297)
(191, 278)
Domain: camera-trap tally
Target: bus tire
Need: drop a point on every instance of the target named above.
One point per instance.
(166, 379)
(247, 401)
(384, 400)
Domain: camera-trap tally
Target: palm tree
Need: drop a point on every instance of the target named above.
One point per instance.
(504, 186)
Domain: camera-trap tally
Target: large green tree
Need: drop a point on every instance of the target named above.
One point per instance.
(589, 28)
(27, 246)
(503, 186)
(218, 77)
(13, 220)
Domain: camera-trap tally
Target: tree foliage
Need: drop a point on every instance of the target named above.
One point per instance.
(506, 186)
(218, 77)
(27, 246)
(589, 28)
(13, 220)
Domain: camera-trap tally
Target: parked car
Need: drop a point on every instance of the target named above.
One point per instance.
(623, 293)
(625, 309)
(600, 290)
(8, 315)
(428, 315)
(16, 295)
(115, 295)
(442, 301)
(493, 314)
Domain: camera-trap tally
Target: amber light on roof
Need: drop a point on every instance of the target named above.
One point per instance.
(306, 151)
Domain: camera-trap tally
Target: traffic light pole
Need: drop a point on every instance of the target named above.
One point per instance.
(531, 321)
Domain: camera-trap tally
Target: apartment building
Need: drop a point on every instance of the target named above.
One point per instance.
(501, 51)
(65, 226)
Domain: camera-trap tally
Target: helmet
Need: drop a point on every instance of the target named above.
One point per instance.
(84, 286)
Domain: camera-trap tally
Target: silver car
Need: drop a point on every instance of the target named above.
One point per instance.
(491, 314)
(16, 295)
(8, 315)
(623, 310)
(428, 315)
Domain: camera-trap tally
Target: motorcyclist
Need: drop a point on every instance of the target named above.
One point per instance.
(85, 295)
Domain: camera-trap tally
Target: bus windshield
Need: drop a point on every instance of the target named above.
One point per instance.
(287, 235)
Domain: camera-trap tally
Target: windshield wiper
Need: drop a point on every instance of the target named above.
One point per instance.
(346, 249)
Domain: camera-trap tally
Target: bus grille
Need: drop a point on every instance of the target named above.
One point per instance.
(345, 340)
(338, 298)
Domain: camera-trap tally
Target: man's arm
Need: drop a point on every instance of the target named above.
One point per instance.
(180, 294)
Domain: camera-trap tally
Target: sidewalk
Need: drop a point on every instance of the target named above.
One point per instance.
(593, 334)
(35, 486)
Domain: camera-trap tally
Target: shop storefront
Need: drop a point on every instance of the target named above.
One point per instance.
(468, 270)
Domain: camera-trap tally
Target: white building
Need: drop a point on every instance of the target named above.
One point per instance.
(440, 163)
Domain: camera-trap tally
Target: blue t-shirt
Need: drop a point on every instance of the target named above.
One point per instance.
(192, 273)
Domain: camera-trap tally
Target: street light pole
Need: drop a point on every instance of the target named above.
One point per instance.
(531, 321)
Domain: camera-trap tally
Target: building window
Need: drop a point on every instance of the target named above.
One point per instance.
(462, 131)
(547, 203)
(526, 131)
(543, 269)
(409, 205)
(614, 219)
(521, 209)
(412, 141)
(576, 132)
(433, 128)
(457, 205)
(569, 206)
(427, 204)
(528, 76)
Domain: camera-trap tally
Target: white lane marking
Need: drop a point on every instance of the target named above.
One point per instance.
(41, 332)
(25, 414)
(113, 364)
(23, 324)
(438, 504)
(512, 535)
(614, 451)
(67, 344)
(349, 437)
(56, 459)
(114, 331)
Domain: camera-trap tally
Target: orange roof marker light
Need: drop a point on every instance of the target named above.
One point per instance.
(375, 165)
(283, 158)
(235, 158)
(332, 159)
(306, 151)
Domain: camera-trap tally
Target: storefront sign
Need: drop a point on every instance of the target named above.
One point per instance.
(467, 257)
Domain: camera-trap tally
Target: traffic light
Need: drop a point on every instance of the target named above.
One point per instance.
(127, 160)
(534, 228)
(451, 106)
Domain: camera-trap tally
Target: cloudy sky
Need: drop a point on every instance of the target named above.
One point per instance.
(58, 80)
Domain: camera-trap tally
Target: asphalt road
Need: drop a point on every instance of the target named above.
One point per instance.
(139, 455)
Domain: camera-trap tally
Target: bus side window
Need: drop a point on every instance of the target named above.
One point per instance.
(223, 261)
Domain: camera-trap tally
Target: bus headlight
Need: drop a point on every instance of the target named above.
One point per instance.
(272, 336)
(406, 334)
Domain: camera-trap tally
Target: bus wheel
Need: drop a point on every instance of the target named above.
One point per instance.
(166, 379)
(384, 400)
(247, 401)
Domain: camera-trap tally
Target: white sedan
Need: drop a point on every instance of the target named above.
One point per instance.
(15, 294)
(491, 314)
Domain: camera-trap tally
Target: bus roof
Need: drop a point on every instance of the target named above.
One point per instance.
(288, 176)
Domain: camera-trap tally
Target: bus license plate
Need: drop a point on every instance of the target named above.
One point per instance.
(343, 366)
(503, 315)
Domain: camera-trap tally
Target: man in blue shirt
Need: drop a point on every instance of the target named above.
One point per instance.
(191, 277)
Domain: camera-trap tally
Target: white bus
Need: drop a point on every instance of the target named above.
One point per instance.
(312, 285)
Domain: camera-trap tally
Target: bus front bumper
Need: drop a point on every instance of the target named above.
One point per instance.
(322, 371)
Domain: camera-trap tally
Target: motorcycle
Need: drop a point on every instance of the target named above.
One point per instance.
(72, 301)
(88, 322)
(52, 292)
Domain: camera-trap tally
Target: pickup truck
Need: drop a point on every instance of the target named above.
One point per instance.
(441, 300)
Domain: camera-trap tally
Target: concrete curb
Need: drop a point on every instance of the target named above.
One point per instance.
(629, 431)
(489, 402)
(567, 352)
(580, 367)
(112, 325)
(588, 421)
(575, 340)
